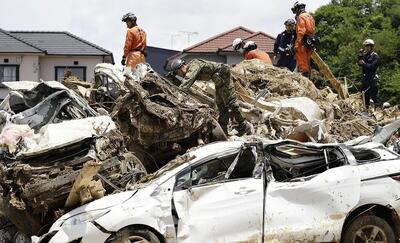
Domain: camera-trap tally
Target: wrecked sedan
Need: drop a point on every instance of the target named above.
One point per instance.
(158, 119)
(56, 153)
(251, 192)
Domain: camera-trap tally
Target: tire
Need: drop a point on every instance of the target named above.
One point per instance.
(136, 235)
(368, 227)
(7, 229)
(21, 238)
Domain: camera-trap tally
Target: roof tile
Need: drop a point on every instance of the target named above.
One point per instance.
(213, 44)
(12, 44)
(264, 42)
(60, 43)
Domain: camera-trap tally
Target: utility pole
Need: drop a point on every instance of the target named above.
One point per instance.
(189, 34)
(172, 39)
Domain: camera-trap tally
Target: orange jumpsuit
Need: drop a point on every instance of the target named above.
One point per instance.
(258, 54)
(135, 44)
(305, 25)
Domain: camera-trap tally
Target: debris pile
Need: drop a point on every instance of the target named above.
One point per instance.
(51, 137)
(256, 75)
(58, 152)
(157, 119)
(343, 119)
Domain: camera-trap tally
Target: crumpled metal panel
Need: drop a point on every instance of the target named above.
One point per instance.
(311, 210)
(159, 111)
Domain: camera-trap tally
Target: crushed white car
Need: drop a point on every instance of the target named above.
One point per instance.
(281, 191)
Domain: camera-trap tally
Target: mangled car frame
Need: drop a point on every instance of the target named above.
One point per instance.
(270, 191)
(57, 153)
(158, 120)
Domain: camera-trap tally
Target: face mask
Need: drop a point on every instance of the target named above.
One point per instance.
(241, 50)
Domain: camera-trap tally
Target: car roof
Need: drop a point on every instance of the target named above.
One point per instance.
(214, 149)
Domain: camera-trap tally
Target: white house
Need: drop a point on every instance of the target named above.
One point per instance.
(219, 48)
(35, 55)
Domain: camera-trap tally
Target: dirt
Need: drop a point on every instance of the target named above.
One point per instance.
(280, 82)
(344, 119)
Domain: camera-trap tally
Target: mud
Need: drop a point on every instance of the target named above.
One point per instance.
(344, 119)
(156, 121)
(280, 82)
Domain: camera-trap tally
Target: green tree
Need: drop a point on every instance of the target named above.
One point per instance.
(343, 25)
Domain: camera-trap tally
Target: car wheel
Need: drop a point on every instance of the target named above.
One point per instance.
(368, 228)
(132, 235)
(21, 238)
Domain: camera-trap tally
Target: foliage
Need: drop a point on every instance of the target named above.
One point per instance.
(343, 25)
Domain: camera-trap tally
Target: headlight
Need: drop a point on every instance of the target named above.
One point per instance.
(84, 217)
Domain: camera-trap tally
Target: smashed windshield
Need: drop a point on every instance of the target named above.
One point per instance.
(179, 160)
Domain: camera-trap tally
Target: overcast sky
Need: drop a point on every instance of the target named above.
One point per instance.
(99, 21)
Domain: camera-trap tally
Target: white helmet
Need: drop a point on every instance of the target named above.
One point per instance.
(369, 42)
(386, 105)
(250, 45)
(237, 44)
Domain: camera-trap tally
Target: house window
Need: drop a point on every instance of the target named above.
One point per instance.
(9, 73)
(62, 72)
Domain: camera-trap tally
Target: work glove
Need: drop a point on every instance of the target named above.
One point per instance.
(123, 61)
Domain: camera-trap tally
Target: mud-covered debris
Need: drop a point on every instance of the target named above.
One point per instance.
(49, 133)
(256, 75)
(158, 120)
(344, 119)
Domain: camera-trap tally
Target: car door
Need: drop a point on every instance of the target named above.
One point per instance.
(214, 207)
(313, 210)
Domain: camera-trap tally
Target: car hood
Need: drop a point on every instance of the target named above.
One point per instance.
(99, 204)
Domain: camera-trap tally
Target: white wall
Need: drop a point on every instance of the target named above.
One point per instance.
(48, 64)
(28, 65)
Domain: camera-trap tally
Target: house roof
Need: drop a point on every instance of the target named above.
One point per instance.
(12, 44)
(264, 42)
(59, 43)
(223, 41)
(213, 44)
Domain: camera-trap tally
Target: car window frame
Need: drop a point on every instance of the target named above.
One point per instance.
(338, 148)
(190, 168)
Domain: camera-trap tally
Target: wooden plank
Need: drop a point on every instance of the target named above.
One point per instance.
(326, 71)
(245, 96)
(87, 173)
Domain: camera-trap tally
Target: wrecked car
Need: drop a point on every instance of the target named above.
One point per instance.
(57, 153)
(261, 191)
(158, 120)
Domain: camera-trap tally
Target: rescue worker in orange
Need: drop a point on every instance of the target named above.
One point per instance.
(250, 50)
(135, 42)
(305, 28)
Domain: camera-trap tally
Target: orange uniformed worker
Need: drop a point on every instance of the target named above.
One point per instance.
(135, 42)
(250, 51)
(305, 28)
